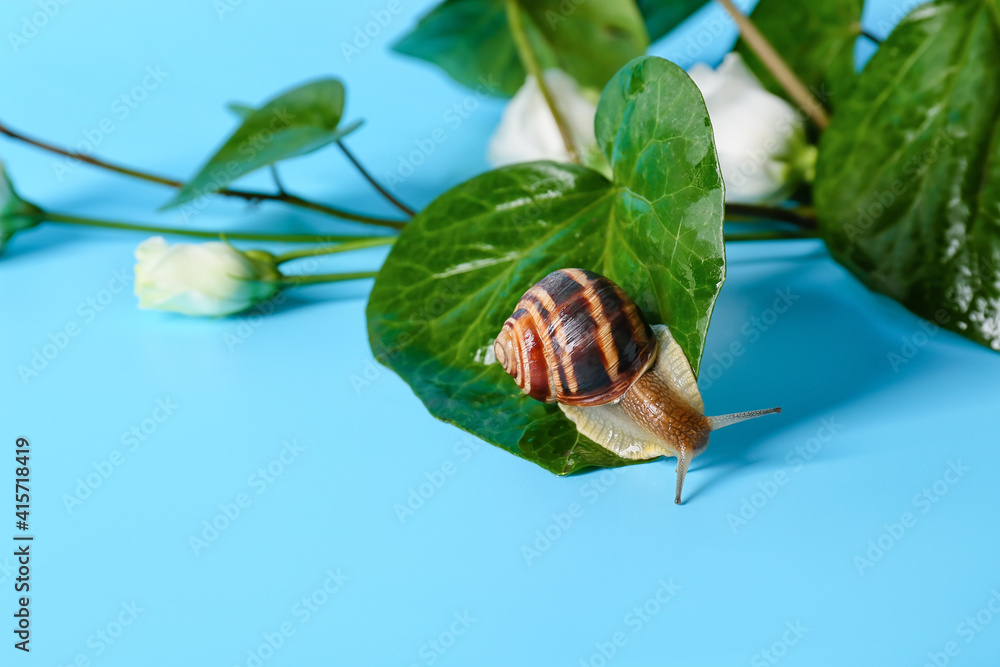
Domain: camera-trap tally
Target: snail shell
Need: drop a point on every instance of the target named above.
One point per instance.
(575, 338)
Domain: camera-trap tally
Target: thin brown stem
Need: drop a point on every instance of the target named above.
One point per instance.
(759, 44)
(247, 195)
(277, 179)
(870, 37)
(775, 235)
(375, 184)
(530, 61)
(757, 212)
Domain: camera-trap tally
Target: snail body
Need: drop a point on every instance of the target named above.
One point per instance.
(576, 339)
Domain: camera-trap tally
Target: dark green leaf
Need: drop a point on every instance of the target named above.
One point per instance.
(295, 123)
(662, 16)
(815, 38)
(908, 178)
(460, 266)
(471, 41)
(16, 214)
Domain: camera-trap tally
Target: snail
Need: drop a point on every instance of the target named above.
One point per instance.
(576, 339)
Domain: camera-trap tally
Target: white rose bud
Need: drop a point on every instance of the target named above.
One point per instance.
(528, 131)
(202, 279)
(763, 152)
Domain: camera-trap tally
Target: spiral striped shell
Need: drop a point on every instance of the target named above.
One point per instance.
(575, 338)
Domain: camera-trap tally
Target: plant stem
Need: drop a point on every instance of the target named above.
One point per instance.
(248, 195)
(323, 208)
(277, 179)
(756, 212)
(770, 236)
(776, 65)
(340, 247)
(530, 61)
(368, 177)
(238, 236)
(294, 281)
(867, 35)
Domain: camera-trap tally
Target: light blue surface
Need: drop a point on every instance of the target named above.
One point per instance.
(305, 375)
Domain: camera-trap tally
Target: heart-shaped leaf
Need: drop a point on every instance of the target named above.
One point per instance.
(16, 214)
(908, 177)
(815, 38)
(294, 123)
(471, 41)
(662, 16)
(459, 267)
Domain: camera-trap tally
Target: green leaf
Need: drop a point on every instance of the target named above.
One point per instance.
(815, 38)
(471, 41)
(662, 16)
(16, 214)
(294, 123)
(241, 110)
(908, 178)
(460, 266)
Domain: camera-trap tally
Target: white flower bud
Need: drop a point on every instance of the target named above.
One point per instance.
(528, 131)
(202, 279)
(761, 140)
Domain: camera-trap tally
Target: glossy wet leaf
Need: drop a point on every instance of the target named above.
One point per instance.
(815, 38)
(461, 265)
(662, 16)
(16, 214)
(908, 179)
(294, 123)
(471, 41)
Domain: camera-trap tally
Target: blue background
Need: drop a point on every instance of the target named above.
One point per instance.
(305, 375)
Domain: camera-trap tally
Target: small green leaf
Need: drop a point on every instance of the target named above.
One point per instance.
(908, 177)
(241, 110)
(16, 214)
(662, 16)
(471, 41)
(815, 38)
(294, 123)
(459, 267)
